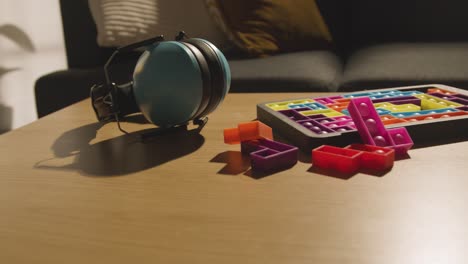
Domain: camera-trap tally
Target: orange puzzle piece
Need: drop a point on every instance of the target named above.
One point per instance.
(247, 131)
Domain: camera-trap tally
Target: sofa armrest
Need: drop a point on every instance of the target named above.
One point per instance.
(80, 34)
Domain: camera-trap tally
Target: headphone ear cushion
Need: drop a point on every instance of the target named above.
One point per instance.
(206, 76)
(219, 72)
(168, 84)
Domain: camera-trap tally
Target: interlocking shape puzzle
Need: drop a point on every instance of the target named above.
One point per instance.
(431, 114)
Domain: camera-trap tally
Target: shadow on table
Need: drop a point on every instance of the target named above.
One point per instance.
(124, 154)
(346, 176)
(237, 163)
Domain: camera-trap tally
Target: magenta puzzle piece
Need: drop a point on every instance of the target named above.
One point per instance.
(269, 155)
(373, 131)
(402, 140)
(368, 123)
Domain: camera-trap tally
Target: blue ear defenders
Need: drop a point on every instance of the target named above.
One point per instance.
(174, 82)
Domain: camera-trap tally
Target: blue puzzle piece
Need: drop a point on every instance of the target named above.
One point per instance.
(424, 112)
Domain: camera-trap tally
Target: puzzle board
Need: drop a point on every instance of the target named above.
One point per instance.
(432, 114)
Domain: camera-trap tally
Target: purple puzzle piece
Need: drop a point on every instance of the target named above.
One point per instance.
(399, 100)
(315, 126)
(269, 155)
(372, 130)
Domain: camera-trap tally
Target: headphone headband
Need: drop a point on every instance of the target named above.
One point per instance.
(104, 96)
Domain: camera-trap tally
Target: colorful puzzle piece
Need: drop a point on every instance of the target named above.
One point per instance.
(247, 131)
(269, 155)
(368, 122)
(402, 141)
(434, 102)
(457, 98)
(373, 131)
(335, 158)
(375, 158)
(256, 140)
(353, 157)
(398, 108)
(398, 100)
(438, 90)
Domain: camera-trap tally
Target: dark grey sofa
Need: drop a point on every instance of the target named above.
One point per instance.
(377, 44)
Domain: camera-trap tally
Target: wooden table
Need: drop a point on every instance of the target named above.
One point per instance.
(70, 193)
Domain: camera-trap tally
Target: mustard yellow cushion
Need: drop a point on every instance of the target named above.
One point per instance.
(264, 27)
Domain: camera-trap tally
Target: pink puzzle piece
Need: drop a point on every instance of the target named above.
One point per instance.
(373, 131)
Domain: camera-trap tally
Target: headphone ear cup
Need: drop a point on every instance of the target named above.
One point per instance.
(219, 73)
(168, 83)
(178, 81)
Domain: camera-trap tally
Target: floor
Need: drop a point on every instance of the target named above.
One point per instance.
(31, 45)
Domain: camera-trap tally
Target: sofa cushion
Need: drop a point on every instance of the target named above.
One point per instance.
(292, 72)
(404, 21)
(264, 27)
(398, 64)
(122, 22)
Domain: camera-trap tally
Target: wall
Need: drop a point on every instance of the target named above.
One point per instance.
(31, 44)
